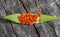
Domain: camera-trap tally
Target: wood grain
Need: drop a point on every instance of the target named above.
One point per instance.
(48, 29)
(5, 27)
(51, 8)
(12, 7)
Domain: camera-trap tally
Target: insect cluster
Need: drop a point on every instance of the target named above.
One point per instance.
(28, 18)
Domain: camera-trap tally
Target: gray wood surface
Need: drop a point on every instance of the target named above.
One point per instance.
(11, 7)
(48, 29)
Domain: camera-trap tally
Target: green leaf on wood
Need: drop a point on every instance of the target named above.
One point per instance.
(44, 18)
(13, 17)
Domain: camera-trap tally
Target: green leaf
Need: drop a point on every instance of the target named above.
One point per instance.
(13, 17)
(45, 18)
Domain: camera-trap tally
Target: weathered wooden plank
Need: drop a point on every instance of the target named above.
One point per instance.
(5, 27)
(52, 8)
(53, 5)
(30, 5)
(14, 6)
(44, 29)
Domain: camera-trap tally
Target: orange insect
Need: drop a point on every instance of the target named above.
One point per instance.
(28, 18)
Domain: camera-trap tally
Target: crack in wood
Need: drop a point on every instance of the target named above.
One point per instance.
(51, 25)
(52, 28)
(9, 21)
(48, 22)
(57, 4)
(33, 24)
(36, 30)
(23, 6)
(13, 29)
